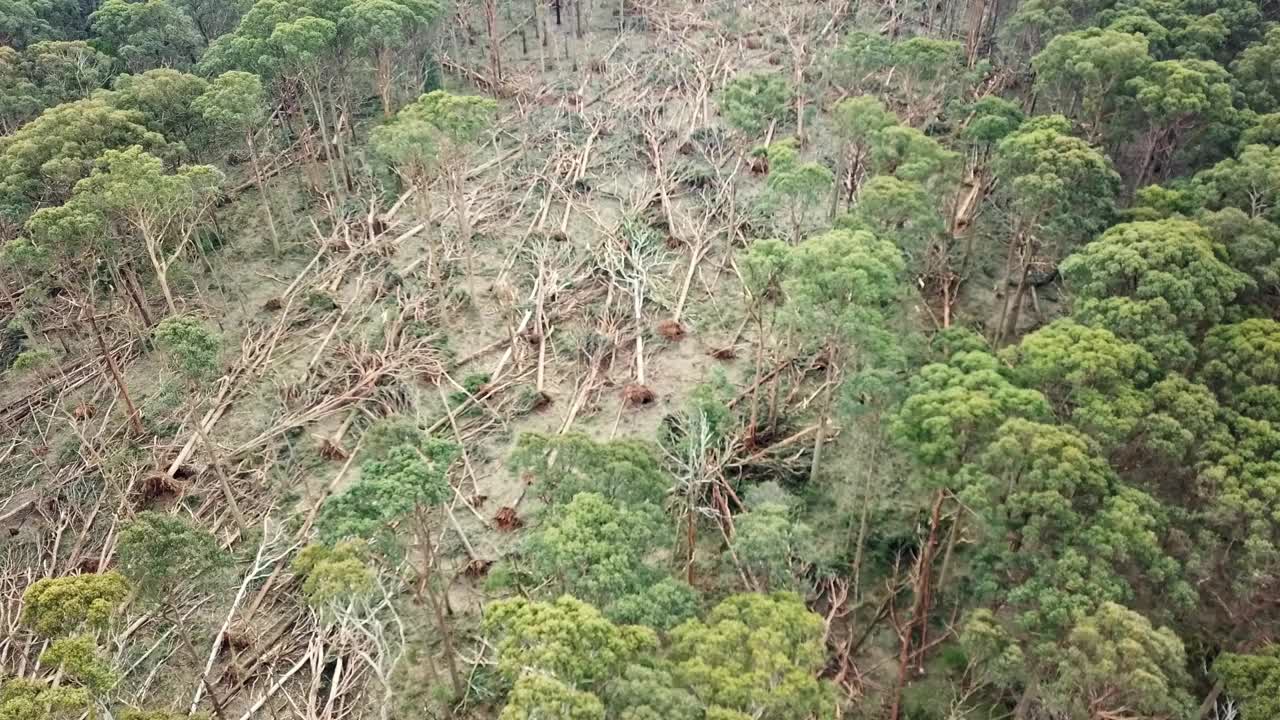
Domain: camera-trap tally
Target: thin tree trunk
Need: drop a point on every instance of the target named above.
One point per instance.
(134, 420)
(1008, 279)
(863, 517)
(262, 191)
(446, 636)
(326, 141)
(180, 629)
(464, 225)
(223, 483)
(820, 436)
(134, 289)
(754, 425)
(1019, 299)
(495, 51)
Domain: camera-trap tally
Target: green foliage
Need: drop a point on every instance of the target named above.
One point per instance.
(1063, 535)
(755, 654)
(841, 287)
(1242, 359)
(596, 550)
(1115, 660)
(1091, 378)
(1092, 67)
(234, 102)
(1177, 91)
(167, 101)
(34, 359)
(391, 486)
(147, 34)
(992, 119)
(1245, 182)
(660, 605)
(625, 472)
(904, 211)
(767, 539)
(162, 555)
(334, 575)
(1252, 245)
(1111, 660)
(189, 347)
(797, 185)
(43, 160)
(379, 25)
(650, 693)
(908, 154)
(46, 74)
(540, 697)
(1254, 680)
(1159, 284)
(566, 639)
(23, 22)
(24, 699)
(858, 119)
(750, 102)
(436, 128)
(1254, 72)
(61, 606)
(1059, 188)
(954, 409)
(77, 657)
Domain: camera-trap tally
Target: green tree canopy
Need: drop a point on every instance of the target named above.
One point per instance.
(147, 34)
(162, 555)
(61, 606)
(755, 654)
(566, 639)
(43, 160)
(753, 101)
(626, 472)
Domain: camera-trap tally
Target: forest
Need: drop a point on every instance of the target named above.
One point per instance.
(640, 359)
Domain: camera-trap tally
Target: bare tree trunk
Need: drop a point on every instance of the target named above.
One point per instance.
(325, 139)
(820, 436)
(262, 190)
(221, 474)
(184, 636)
(863, 517)
(464, 224)
(446, 635)
(495, 51)
(1008, 279)
(134, 419)
(134, 288)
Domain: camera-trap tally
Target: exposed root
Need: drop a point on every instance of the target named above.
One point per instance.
(671, 329)
(329, 450)
(507, 521)
(637, 394)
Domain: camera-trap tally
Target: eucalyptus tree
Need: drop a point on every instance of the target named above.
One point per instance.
(235, 102)
(45, 158)
(797, 184)
(166, 100)
(438, 134)
(166, 556)
(129, 193)
(404, 483)
(147, 34)
(1058, 191)
(1086, 73)
(841, 288)
(755, 102)
(388, 30)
